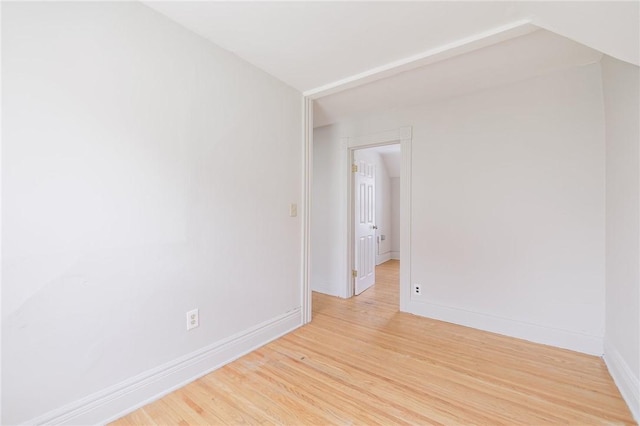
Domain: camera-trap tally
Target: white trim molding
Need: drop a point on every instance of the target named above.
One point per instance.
(307, 163)
(327, 288)
(406, 137)
(440, 53)
(381, 258)
(566, 339)
(118, 400)
(628, 384)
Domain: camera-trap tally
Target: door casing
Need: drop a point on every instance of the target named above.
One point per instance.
(402, 135)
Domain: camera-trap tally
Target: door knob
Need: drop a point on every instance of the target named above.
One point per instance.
(374, 227)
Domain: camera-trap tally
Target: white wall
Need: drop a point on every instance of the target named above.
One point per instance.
(145, 172)
(395, 218)
(383, 212)
(508, 207)
(610, 27)
(622, 335)
(328, 213)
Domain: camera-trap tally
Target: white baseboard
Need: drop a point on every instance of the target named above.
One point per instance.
(578, 342)
(395, 255)
(129, 395)
(328, 289)
(627, 383)
(381, 258)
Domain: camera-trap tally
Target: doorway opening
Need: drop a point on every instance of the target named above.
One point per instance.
(328, 264)
(375, 193)
(401, 136)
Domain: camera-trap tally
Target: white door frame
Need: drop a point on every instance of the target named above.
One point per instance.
(402, 135)
(307, 161)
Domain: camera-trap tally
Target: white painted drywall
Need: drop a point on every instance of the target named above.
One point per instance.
(612, 27)
(508, 62)
(622, 334)
(395, 218)
(328, 212)
(1, 221)
(145, 172)
(383, 211)
(393, 162)
(508, 207)
(508, 218)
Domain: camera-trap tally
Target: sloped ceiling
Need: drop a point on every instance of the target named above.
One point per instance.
(507, 62)
(311, 44)
(356, 58)
(392, 158)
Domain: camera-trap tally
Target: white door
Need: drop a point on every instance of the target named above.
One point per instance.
(365, 228)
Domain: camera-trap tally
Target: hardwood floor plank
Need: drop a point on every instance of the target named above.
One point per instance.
(484, 370)
(360, 361)
(423, 384)
(308, 386)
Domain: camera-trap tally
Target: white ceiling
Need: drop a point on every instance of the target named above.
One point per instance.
(335, 51)
(392, 158)
(506, 62)
(311, 44)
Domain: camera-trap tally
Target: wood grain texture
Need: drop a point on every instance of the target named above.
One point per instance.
(360, 361)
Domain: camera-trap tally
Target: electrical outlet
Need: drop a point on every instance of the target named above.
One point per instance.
(193, 319)
(293, 210)
(417, 289)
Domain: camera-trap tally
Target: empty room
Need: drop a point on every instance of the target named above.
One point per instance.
(320, 213)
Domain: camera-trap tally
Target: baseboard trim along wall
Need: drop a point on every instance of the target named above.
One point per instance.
(381, 258)
(627, 383)
(129, 395)
(578, 342)
(328, 289)
(395, 255)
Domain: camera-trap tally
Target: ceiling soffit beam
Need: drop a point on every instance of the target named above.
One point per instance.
(446, 51)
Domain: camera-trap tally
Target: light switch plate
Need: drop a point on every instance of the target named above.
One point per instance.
(293, 210)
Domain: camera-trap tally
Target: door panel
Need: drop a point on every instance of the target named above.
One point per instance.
(365, 229)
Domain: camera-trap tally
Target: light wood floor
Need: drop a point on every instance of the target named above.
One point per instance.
(362, 362)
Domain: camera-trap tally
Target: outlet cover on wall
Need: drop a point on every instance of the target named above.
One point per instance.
(417, 289)
(193, 319)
